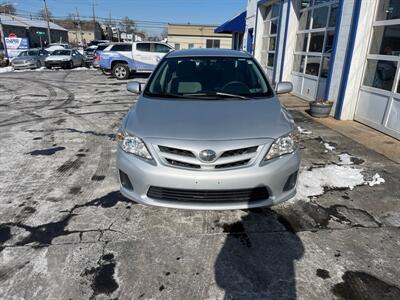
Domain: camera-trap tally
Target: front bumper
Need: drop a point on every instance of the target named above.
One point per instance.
(273, 175)
(24, 66)
(58, 64)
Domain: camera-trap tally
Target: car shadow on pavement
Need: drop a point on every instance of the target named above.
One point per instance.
(257, 260)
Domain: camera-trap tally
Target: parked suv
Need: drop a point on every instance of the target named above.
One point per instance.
(96, 54)
(208, 132)
(123, 58)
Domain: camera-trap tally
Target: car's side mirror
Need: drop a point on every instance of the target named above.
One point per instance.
(284, 87)
(134, 87)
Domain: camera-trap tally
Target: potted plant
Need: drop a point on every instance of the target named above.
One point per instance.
(320, 108)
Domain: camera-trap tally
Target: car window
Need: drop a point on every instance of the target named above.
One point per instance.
(32, 53)
(101, 47)
(145, 47)
(61, 52)
(208, 76)
(23, 53)
(122, 47)
(160, 48)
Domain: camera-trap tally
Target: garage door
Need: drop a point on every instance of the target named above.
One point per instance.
(314, 42)
(270, 29)
(379, 98)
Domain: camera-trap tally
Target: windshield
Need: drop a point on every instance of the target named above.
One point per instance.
(28, 53)
(61, 52)
(208, 77)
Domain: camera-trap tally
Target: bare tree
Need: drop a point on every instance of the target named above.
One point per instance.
(164, 34)
(7, 8)
(42, 14)
(127, 25)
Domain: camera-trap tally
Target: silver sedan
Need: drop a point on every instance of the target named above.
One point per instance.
(208, 132)
(30, 59)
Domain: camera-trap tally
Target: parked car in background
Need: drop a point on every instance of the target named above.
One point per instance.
(208, 132)
(96, 54)
(121, 59)
(66, 58)
(30, 59)
(97, 42)
(89, 52)
(57, 46)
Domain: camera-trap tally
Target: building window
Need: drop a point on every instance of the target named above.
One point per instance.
(191, 46)
(383, 59)
(315, 37)
(380, 74)
(386, 40)
(212, 43)
(177, 46)
(388, 10)
(271, 20)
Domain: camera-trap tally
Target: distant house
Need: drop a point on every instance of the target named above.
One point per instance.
(83, 34)
(185, 36)
(29, 28)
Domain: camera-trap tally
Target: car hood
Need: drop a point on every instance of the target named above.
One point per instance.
(227, 119)
(57, 57)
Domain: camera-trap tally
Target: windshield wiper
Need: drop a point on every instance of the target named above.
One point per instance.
(232, 95)
(217, 94)
(171, 95)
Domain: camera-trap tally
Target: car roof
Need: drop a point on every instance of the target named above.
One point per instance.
(209, 52)
(119, 43)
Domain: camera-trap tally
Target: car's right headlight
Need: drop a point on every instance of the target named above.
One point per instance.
(284, 145)
(134, 145)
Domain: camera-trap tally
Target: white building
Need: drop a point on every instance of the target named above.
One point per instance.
(346, 51)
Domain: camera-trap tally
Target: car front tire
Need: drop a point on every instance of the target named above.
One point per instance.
(120, 71)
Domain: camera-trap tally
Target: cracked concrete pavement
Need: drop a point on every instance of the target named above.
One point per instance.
(67, 233)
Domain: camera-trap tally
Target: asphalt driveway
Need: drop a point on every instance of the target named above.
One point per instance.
(67, 233)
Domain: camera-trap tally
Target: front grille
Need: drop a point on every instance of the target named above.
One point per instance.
(240, 151)
(233, 164)
(189, 159)
(176, 151)
(182, 164)
(241, 195)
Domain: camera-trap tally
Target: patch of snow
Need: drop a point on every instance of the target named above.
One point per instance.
(329, 147)
(376, 179)
(311, 183)
(345, 159)
(6, 69)
(83, 68)
(303, 131)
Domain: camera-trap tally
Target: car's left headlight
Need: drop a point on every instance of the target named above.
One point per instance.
(134, 145)
(284, 145)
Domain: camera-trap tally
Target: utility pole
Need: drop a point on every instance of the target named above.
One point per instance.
(79, 25)
(48, 22)
(3, 39)
(76, 30)
(110, 31)
(94, 21)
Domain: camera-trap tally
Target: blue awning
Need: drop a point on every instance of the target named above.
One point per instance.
(237, 24)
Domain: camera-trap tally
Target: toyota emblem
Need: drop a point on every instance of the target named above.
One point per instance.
(207, 155)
